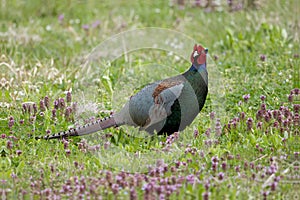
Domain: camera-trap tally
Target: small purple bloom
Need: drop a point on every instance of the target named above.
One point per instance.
(246, 97)
(259, 114)
(19, 152)
(196, 133)
(214, 159)
(242, 115)
(267, 118)
(11, 122)
(9, 144)
(221, 176)
(54, 113)
(69, 97)
(13, 175)
(249, 123)
(230, 157)
(133, 194)
(290, 98)
(224, 166)
(96, 24)
(296, 108)
(56, 104)
(68, 112)
(218, 127)
(61, 18)
(251, 165)
(263, 106)
(276, 124)
(207, 185)
(74, 107)
(68, 152)
(207, 132)
(205, 195)
(42, 106)
(263, 98)
(212, 115)
(214, 166)
(197, 2)
(62, 103)
(25, 107)
(274, 186)
(240, 103)
(262, 57)
(85, 27)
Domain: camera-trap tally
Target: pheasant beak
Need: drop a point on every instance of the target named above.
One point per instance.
(206, 50)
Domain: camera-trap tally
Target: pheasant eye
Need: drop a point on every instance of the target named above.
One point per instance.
(195, 54)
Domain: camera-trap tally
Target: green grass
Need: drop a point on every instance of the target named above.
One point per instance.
(43, 56)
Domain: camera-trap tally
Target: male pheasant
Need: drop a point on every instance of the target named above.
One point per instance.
(164, 106)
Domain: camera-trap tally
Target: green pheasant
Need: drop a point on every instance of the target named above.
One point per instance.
(165, 106)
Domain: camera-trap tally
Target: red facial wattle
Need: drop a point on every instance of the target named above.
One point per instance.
(199, 53)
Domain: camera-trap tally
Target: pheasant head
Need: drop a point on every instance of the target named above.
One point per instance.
(198, 57)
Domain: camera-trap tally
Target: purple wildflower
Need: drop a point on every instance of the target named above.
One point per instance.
(221, 176)
(212, 115)
(68, 112)
(54, 113)
(34, 108)
(61, 18)
(262, 57)
(96, 24)
(274, 186)
(196, 133)
(69, 97)
(296, 108)
(246, 97)
(259, 125)
(263, 98)
(218, 127)
(224, 166)
(19, 152)
(205, 195)
(207, 132)
(25, 107)
(11, 122)
(249, 123)
(263, 106)
(214, 159)
(68, 152)
(133, 194)
(42, 106)
(242, 115)
(290, 98)
(9, 144)
(56, 104)
(216, 57)
(259, 114)
(85, 27)
(62, 103)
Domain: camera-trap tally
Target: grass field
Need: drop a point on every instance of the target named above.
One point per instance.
(66, 63)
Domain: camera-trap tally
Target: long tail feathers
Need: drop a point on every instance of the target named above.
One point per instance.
(84, 130)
